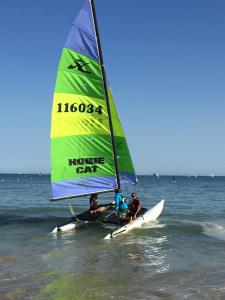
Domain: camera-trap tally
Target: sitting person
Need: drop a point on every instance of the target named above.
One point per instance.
(121, 207)
(94, 207)
(134, 207)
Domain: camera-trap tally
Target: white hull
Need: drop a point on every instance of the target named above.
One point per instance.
(64, 228)
(68, 227)
(150, 215)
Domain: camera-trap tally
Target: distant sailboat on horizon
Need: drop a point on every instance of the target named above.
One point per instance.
(155, 175)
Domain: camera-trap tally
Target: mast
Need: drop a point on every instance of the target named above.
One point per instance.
(105, 90)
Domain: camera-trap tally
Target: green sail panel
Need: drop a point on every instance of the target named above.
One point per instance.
(81, 159)
(79, 74)
(125, 165)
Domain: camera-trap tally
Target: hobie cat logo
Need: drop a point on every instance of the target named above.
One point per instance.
(87, 164)
(81, 66)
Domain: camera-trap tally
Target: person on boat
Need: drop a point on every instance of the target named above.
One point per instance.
(121, 207)
(134, 207)
(94, 207)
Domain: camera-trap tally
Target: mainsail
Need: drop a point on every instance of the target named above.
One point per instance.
(89, 153)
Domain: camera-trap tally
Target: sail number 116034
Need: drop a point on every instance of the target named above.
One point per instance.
(82, 108)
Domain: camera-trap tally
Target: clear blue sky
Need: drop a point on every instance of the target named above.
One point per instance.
(166, 64)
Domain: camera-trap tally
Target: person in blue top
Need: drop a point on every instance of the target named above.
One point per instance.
(121, 207)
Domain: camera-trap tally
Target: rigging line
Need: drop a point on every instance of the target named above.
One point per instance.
(71, 208)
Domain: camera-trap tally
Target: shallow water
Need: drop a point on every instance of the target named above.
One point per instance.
(180, 256)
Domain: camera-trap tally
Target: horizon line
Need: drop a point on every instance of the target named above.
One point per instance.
(158, 175)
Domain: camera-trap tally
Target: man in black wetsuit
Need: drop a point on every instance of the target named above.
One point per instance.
(134, 207)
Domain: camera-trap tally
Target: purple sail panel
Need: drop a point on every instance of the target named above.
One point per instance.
(82, 186)
(82, 35)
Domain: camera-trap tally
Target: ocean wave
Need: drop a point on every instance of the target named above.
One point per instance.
(34, 215)
(214, 230)
(16, 219)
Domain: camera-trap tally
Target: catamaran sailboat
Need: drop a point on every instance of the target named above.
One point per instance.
(89, 153)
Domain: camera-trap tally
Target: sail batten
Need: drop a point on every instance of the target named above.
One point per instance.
(89, 153)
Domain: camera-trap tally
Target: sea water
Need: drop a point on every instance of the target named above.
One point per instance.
(179, 256)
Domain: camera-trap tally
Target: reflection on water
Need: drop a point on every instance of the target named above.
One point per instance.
(66, 238)
(104, 269)
(149, 253)
(105, 264)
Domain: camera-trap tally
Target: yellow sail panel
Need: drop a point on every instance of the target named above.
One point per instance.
(78, 115)
(117, 127)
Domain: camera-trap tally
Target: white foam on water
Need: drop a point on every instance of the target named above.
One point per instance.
(153, 224)
(214, 230)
